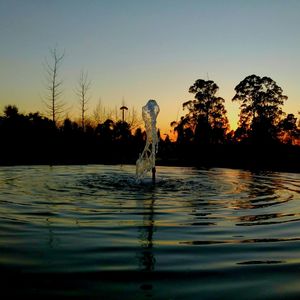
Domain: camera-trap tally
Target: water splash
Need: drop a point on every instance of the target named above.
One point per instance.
(146, 160)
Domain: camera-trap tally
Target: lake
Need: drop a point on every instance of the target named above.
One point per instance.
(94, 232)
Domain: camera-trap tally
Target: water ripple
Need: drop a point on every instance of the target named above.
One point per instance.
(220, 227)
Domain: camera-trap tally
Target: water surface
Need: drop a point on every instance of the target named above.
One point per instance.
(93, 231)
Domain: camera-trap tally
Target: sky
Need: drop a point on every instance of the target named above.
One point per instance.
(136, 50)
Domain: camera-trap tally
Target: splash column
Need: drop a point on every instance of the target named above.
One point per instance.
(146, 160)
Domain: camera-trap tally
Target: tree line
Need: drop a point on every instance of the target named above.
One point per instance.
(261, 119)
(35, 139)
(266, 136)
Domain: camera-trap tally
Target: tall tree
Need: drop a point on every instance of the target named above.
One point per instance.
(84, 85)
(54, 104)
(206, 113)
(289, 133)
(261, 100)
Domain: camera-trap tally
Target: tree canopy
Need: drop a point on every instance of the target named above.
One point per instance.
(206, 116)
(261, 108)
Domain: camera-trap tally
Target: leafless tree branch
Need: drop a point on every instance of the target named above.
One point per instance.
(53, 102)
(82, 90)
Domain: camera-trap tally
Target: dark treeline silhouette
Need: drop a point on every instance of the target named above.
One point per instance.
(266, 137)
(34, 139)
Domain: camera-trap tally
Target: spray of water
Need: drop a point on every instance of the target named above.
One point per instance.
(146, 160)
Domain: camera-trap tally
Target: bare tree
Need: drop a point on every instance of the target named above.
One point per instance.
(53, 101)
(116, 114)
(101, 113)
(98, 113)
(84, 85)
(134, 119)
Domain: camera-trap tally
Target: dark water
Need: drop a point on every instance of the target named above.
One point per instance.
(94, 232)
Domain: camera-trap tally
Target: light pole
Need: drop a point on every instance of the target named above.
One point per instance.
(123, 108)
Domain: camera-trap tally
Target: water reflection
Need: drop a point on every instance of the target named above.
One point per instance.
(146, 255)
(264, 189)
(195, 232)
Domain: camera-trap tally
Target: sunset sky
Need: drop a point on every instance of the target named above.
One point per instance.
(138, 50)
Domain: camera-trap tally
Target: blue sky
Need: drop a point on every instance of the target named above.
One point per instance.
(138, 50)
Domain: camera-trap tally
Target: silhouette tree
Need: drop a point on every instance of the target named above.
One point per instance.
(183, 129)
(261, 100)
(122, 131)
(25, 138)
(288, 129)
(84, 85)
(206, 113)
(10, 111)
(14, 123)
(138, 140)
(106, 131)
(53, 101)
(134, 119)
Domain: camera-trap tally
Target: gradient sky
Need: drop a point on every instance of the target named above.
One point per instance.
(142, 50)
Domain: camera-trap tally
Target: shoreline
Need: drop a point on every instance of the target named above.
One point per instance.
(245, 167)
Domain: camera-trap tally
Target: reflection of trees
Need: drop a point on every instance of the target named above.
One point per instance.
(146, 257)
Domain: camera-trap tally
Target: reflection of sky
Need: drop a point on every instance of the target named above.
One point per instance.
(98, 217)
(140, 50)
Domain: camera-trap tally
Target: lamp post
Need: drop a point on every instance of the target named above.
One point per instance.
(123, 108)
